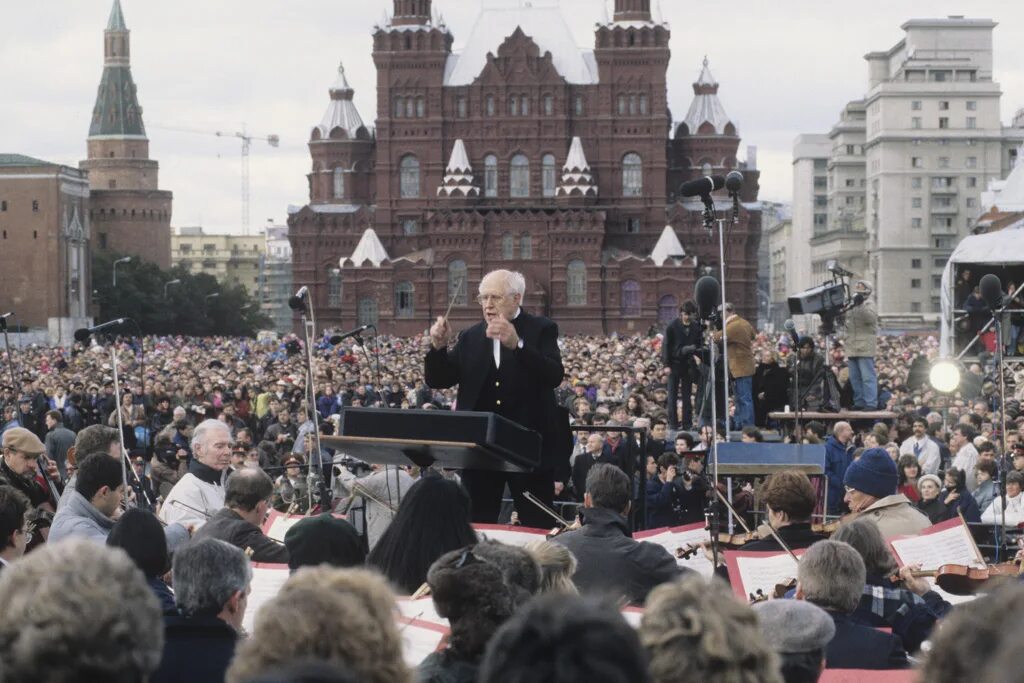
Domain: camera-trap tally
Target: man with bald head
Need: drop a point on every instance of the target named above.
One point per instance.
(838, 456)
(508, 364)
(246, 502)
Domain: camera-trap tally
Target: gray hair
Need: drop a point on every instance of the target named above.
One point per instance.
(608, 487)
(865, 537)
(76, 611)
(199, 434)
(515, 282)
(831, 575)
(207, 572)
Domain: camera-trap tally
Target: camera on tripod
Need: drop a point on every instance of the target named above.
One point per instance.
(829, 301)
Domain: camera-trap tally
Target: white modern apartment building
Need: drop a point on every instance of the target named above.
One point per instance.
(908, 163)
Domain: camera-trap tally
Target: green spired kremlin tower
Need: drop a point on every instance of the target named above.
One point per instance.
(130, 215)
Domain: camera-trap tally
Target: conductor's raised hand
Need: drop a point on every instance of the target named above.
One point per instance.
(440, 333)
(502, 330)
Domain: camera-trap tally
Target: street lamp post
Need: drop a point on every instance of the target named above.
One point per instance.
(126, 259)
(168, 284)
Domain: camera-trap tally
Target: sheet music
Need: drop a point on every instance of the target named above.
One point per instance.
(278, 525)
(510, 535)
(672, 539)
(267, 580)
(750, 571)
(418, 640)
(932, 549)
(421, 609)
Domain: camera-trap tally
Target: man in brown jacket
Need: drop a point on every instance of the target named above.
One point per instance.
(740, 336)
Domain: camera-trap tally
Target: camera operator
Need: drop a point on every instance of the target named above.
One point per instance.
(683, 337)
(861, 346)
(169, 462)
(691, 490)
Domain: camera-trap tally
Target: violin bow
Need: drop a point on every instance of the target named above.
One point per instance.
(732, 510)
(533, 499)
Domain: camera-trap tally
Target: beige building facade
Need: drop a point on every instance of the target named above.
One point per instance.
(228, 258)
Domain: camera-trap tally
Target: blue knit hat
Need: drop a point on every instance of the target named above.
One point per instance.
(874, 473)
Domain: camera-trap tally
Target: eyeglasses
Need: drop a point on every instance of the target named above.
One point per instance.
(488, 298)
(849, 489)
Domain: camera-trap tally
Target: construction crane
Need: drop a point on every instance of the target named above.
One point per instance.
(272, 140)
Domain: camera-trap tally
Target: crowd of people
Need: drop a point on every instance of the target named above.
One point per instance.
(159, 498)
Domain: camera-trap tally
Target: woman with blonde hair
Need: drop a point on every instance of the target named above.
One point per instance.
(696, 631)
(557, 565)
(324, 614)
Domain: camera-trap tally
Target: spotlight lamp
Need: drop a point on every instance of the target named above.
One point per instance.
(944, 376)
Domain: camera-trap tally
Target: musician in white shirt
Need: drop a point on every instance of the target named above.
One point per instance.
(1014, 503)
(923, 448)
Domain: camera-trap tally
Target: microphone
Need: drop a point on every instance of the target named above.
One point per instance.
(992, 291)
(84, 333)
(702, 186)
(733, 182)
(707, 293)
(791, 328)
(338, 338)
(298, 302)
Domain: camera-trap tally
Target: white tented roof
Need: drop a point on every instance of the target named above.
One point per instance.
(342, 112)
(459, 161)
(369, 249)
(1007, 195)
(542, 21)
(668, 246)
(706, 107)
(1001, 247)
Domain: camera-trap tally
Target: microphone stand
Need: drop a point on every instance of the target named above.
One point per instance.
(710, 218)
(120, 420)
(714, 521)
(314, 477)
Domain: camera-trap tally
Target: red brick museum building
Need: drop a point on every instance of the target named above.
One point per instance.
(520, 151)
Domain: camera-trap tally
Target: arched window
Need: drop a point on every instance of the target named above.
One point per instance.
(339, 182)
(632, 175)
(578, 106)
(632, 105)
(404, 306)
(549, 175)
(668, 309)
(367, 311)
(576, 283)
(549, 105)
(490, 105)
(705, 168)
(334, 287)
(490, 176)
(519, 176)
(525, 246)
(399, 107)
(457, 285)
(410, 176)
(508, 246)
(630, 303)
(410, 107)
(643, 104)
(513, 106)
(525, 105)
(421, 109)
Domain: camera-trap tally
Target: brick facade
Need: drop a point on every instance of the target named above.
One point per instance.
(586, 258)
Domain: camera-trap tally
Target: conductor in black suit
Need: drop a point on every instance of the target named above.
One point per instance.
(509, 364)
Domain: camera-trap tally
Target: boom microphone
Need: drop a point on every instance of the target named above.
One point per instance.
(707, 294)
(791, 329)
(298, 302)
(992, 291)
(338, 338)
(84, 333)
(733, 181)
(702, 186)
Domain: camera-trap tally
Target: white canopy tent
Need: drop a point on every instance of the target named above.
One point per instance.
(1001, 248)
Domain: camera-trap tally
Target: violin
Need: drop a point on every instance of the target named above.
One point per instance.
(959, 579)
(829, 528)
(778, 592)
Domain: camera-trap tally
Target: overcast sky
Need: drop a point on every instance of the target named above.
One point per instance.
(785, 68)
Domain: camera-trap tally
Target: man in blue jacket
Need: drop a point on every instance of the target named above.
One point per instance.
(838, 456)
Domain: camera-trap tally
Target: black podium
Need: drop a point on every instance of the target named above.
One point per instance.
(449, 439)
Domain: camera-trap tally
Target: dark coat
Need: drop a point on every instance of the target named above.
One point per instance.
(796, 537)
(856, 646)
(445, 667)
(163, 593)
(773, 381)
(532, 373)
(611, 563)
(660, 500)
(680, 343)
(837, 459)
(227, 525)
(935, 509)
(196, 650)
(965, 504)
(581, 468)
